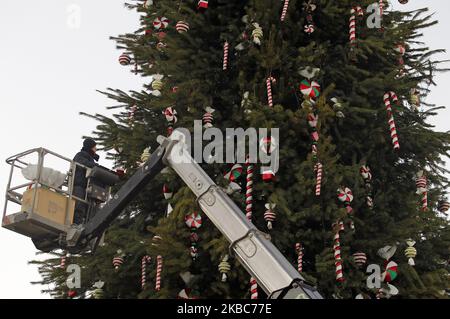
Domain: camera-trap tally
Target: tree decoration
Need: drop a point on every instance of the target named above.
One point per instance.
(98, 292)
(310, 88)
(132, 114)
(421, 184)
(72, 294)
(160, 23)
(388, 292)
(299, 251)
(443, 206)
(194, 222)
(387, 102)
(337, 107)
(410, 251)
(226, 47)
(185, 294)
(414, 99)
(360, 259)
(355, 12)
(171, 117)
(159, 265)
(167, 192)
(269, 81)
(148, 3)
(208, 117)
(124, 59)
(253, 288)
(62, 263)
(224, 268)
(144, 262)
(400, 50)
(202, 5)
(267, 145)
(390, 272)
(118, 260)
(367, 177)
(318, 169)
(234, 173)
(249, 190)
(345, 195)
(284, 11)
(182, 26)
(337, 252)
(157, 84)
(257, 33)
(270, 215)
(145, 155)
(309, 7)
(313, 119)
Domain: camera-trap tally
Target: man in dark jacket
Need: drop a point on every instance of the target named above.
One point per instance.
(88, 157)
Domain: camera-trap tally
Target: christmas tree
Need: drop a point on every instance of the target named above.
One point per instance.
(361, 178)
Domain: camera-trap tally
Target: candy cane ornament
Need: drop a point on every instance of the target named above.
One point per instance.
(367, 177)
(145, 260)
(159, 265)
(318, 169)
(253, 288)
(422, 189)
(225, 55)
(345, 195)
(387, 102)
(337, 254)
(249, 190)
(269, 81)
(284, 11)
(299, 251)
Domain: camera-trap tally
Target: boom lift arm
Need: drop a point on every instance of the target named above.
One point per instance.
(276, 276)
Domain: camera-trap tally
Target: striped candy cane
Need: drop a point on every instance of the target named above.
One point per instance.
(387, 102)
(225, 55)
(381, 6)
(337, 254)
(269, 82)
(285, 8)
(159, 264)
(249, 190)
(298, 249)
(318, 169)
(253, 288)
(352, 26)
(62, 263)
(144, 262)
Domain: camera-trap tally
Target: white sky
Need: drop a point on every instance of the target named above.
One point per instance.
(49, 71)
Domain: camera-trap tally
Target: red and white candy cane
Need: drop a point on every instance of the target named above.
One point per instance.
(225, 55)
(318, 168)
(337, 253)
(422, 189)
(62, 262)
(285, 8)
(381, 6)
(159, 264)
(357, 10)
(387, 102)
(299, 251)
(249, 190)
(145, 260)
(253, 288)
(269, 82)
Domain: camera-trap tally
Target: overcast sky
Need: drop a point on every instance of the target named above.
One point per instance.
(55, 54)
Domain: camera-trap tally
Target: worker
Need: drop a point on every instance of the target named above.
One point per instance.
(88, 157)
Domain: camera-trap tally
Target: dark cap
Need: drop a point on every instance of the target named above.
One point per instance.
(89, 143)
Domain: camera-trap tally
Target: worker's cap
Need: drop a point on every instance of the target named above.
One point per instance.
(89, 143)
